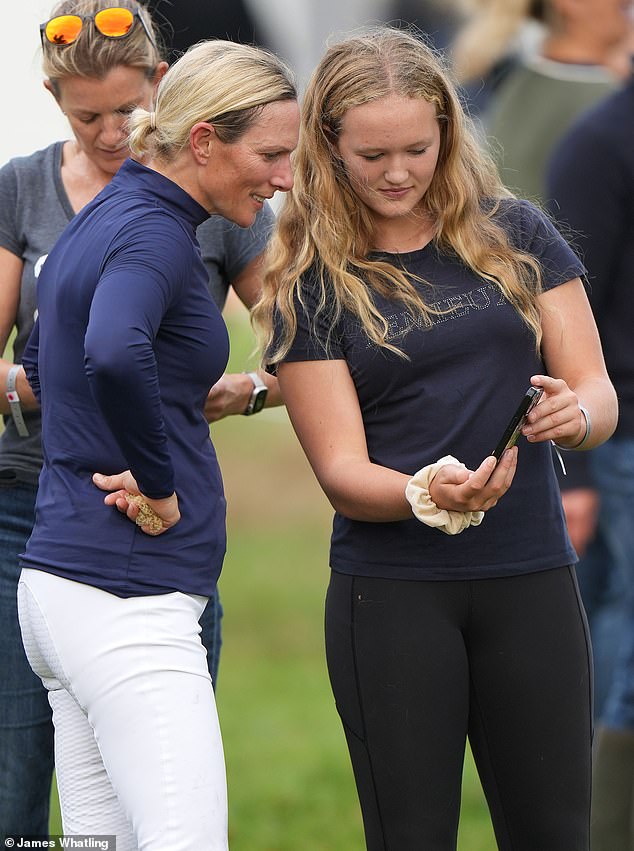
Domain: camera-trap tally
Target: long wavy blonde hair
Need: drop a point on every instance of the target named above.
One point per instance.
(324, 225)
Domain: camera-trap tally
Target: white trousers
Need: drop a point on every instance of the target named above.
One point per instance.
(138, 749)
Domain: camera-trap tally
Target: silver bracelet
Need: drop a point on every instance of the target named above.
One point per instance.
(585, 437)
(14, 401)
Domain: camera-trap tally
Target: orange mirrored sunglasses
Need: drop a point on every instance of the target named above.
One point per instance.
(113, 22)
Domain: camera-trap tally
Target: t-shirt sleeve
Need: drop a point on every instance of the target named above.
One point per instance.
(226, 249)
(9, 237)
(319, 335)
(243, 244)
(533, 232)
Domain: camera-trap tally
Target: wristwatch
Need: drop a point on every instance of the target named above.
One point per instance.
(258, 396)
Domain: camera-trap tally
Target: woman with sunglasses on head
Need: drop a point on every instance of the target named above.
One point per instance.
(100, 62)
(406, 321)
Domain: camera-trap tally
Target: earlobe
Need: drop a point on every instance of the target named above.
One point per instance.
(159, 73)
(48, 85)
(202, 138)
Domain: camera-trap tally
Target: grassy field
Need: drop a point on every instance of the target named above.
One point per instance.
(290, 782)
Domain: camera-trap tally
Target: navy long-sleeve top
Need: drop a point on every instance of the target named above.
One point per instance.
(127, 344)
(591, 178)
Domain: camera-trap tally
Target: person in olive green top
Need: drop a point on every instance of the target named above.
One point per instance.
(564, 57)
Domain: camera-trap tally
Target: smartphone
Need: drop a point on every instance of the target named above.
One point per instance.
(512, 431)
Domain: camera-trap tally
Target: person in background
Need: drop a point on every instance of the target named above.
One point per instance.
(405, 323)
(591, 178)
(124, 350)
(437, 19)
(537, 64)
(184, 22)
(487, 44)
(97, 81)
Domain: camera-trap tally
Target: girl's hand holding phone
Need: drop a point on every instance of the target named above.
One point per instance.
(459, 489)
(559, 417)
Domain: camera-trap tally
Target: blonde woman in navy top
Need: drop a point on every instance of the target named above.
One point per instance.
(127, 344)
(96, 82)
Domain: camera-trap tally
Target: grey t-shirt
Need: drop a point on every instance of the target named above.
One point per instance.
(34, 210)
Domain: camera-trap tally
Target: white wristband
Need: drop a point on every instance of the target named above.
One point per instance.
(14, 401)
(426, 510)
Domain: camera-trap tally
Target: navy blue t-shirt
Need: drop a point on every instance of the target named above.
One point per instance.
(464, 377)
(127, 344)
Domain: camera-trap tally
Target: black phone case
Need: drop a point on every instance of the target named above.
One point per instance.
(512, 431)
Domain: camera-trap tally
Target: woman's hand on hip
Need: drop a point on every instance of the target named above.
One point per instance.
(153, 516)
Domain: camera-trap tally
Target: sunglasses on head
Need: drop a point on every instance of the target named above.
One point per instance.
(113, 22)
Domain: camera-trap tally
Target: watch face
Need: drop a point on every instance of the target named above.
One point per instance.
(259, 398)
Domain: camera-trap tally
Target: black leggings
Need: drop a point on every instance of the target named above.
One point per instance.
(416, 667)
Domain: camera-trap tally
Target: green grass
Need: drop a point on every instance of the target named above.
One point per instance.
(289, 777)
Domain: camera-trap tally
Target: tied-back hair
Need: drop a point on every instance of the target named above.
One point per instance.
(324, 225)
(489, 32)
(95, 55)
(222, 82)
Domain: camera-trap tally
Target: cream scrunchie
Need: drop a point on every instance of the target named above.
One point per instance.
(426, 510)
